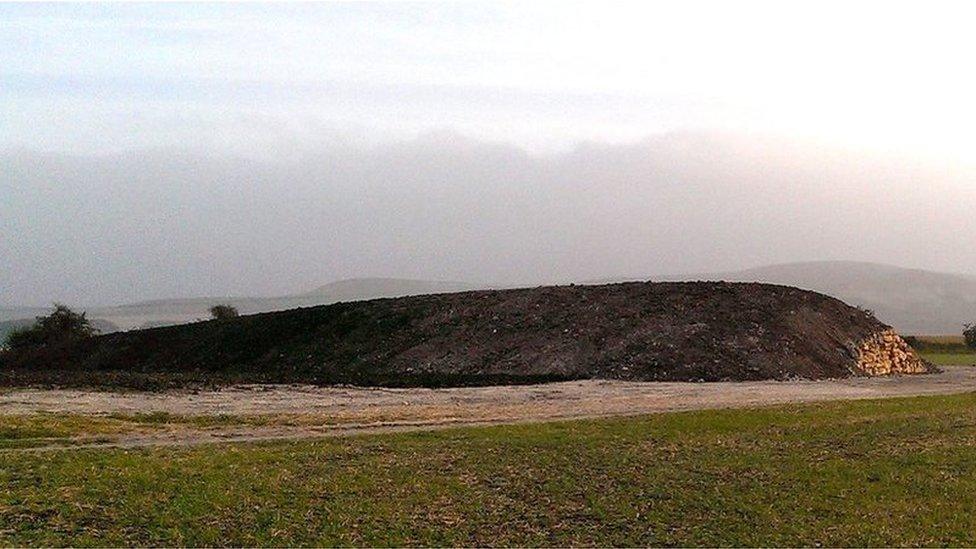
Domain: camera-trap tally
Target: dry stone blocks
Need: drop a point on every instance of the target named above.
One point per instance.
(886, 353)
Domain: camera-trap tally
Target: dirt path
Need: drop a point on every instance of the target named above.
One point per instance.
(330, 411)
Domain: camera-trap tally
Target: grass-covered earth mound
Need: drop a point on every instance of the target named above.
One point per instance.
(694, 331)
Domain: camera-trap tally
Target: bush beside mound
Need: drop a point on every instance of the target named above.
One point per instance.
(61, 326)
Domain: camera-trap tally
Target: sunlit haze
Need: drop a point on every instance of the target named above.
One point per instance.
(177, 150)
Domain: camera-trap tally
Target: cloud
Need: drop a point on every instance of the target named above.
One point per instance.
(138, 225)
(163, 150)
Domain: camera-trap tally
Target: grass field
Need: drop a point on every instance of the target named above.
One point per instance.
(893, 472)
(949, 359)
(944, 350)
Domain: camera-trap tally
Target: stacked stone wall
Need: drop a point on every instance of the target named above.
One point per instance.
(886, 353)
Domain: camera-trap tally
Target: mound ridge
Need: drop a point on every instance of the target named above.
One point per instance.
(667, 331)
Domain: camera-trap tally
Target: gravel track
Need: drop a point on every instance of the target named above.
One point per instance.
(337, 411)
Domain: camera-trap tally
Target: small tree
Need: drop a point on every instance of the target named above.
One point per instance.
(61, 325)
(970, 336)
(223, 312)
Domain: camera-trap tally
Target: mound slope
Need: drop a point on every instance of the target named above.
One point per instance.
(632, 331)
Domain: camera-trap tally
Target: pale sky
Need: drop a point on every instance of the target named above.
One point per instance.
(153, 151)
(260, 78)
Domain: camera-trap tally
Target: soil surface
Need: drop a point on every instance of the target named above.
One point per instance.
(708, 331)
(334, 411)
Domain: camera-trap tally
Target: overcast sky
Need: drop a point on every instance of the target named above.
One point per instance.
(177, 150)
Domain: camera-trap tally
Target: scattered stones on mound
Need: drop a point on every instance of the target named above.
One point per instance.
(886, 353)
(637, 331)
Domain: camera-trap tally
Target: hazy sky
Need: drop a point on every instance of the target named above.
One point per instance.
(266, 78)
(173, 150)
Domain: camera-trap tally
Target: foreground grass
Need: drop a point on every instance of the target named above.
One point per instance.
(66, 429)
(892, 472)
(36, 430)
(949, 359)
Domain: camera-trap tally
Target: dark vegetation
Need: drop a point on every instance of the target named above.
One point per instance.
(943, 350)
(7, 327)
(223, 312)
(63, 326)
(969, 335)
(939, 344)
(633, 331)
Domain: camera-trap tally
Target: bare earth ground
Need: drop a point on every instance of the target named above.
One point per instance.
(300, 411)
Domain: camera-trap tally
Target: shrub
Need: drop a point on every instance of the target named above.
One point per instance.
(61, 325)
(223, 312)
(970, 336)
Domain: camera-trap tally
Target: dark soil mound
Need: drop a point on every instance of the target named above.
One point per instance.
(633, 331)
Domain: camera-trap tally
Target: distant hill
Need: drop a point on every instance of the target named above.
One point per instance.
(8, 326)
(163, 312)
(914, 301)
(356, 289)
(20, 313)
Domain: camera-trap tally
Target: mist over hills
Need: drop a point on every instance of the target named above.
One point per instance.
(139, 225)
(367, 288)
(914, 301)
(162, 312)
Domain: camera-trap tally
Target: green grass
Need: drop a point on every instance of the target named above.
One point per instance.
(46, 429)
(43, 429)
(63, 425)
(50, 429)
(945, 350)
(892, 472)
(949, 359)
